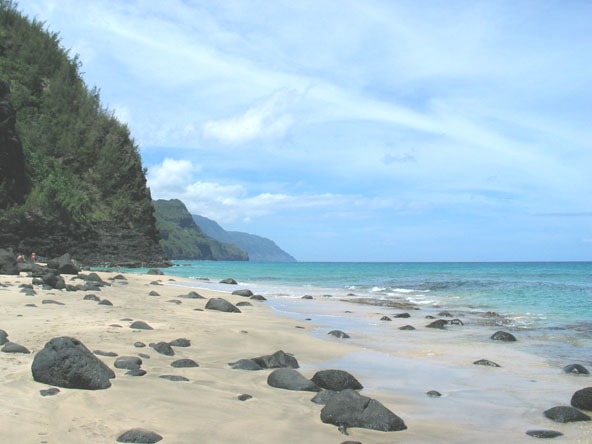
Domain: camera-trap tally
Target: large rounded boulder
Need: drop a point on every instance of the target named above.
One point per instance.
(336, 380)
(66, 362)
(582, 399)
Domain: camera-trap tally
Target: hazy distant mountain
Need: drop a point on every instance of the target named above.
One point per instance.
(260, 249)
(181, 238)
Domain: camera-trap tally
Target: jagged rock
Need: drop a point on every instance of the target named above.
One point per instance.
(63, 264)
(582, 399)
(350, 409)
(385, 318)
(565, 414)
(91, 297)
(49, 392)
(229, 281)
(220, 304)
(142, 436)
(155, 271)
(128, 362)
(66, 362)
(545, 434)
(174, 378)
(440, 323)
(486, 362)
(434, 394)
(164, 348)
(279, 359)
(402, 315)
(140, 325)
(180, 342)
(184, 363)
(258, 297)
(323, 397)
(407, 327)
(503, 336)
(245, 293)
(244, 397)
(576, 369)
(290, 379)
(339, 334)
(244, 304)
(11, 347)
(336, 380)
(3, 337)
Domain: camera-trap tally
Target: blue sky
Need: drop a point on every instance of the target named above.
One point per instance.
(367, 130)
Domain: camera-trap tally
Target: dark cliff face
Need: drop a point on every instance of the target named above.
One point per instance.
(12, 162)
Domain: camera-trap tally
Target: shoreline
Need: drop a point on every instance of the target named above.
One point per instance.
(396, 370)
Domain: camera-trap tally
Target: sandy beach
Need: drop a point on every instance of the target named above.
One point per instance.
(479, 404)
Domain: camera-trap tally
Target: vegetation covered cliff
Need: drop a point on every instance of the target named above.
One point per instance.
(181, 238)
(260, 249)
(71, 177)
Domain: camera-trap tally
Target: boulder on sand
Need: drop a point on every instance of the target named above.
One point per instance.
(63, 264)
(290, 379)
(440, 323)
(503, 336)
(220, 304)
(3, 337)
(336, 380)
(141, 325)
(582, 399)
(66, 362)
(564, 413)
(350, 409)
(11, 347)
(246, 293)
(139, 436)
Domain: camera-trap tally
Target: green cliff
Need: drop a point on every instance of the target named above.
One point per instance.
(71, 177)
(181, 238)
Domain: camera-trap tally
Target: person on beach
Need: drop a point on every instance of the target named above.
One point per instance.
(20, 258)
(33, 257)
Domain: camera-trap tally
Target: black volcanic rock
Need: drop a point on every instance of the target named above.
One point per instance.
(155, 271)
(339, 334)
(140, 325)
(63, 264)
(229, 281)
(440, 324)
(174, 378)
(486, 363)
(323, 397)
(434, 394)
(66, 362)
(105, 302)
(407, 327)
(245, 364)
(11, 347)
(180, 342)
(336, 380)
(385, 318)
(91, 297)
(244, 292)
(164, 348)
(279, 359)
(576, 369)
(402, 315)
(142, 436)
(290, 379)
(565, 414)
(153, 293)
(582, 399)
(49, 392)
(350, 409)
(503, 336)
(128, 362)
(220, 304)
(184, 363)
(244, 304)
(545, 434)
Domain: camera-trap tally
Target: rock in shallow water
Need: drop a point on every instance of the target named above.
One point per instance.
(503, 336)
(139, 436)
(582, 399)
(544, 433)
(350, 409)
(407, 327)
(385, 318)
(565, 414)
(486, 362)
(66, 362)
(290, 379)
(228, 281)
(336, 380)
(440, 324)
(339, 334)
(433, 394)
(576, 369)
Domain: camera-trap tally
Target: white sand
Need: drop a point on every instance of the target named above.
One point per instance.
(206, 409)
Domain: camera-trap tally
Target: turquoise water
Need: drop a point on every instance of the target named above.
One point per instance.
(549, 294)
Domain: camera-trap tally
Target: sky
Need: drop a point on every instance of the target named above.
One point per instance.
(356, 130)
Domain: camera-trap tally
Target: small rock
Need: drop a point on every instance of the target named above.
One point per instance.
(575, 369)
(119, 277)
(407, 327)
(245, 364)
(430, 317)
(164, 348)
(433, 394)
(244, 397)
(180, 342)
(192, 295)
(339, 334)
(244, 304)
(141, 325)
(115, 326)
(128, 362)
(174, 378)
(104, 353)
(136, 372)
(582, 399)
(440, 324)
(126, 319)
(155, 283)
(246, 293)
(144, 356)
(30, 305)
(228, 281)
(51, 301)
(402, 315)
(565, 414)
(49, 392)
(142, 436)
(306, 296)
(445, 314)
(174, 301)
(155, 271)
(91, 297)
(456, 322)
(105, 302)
(258, 297)
(139, 344)
(11, 347)
(503, 336)
(544, 433)
(486, 362)
(154, 293)
(385, 318)
(220, 304)
(184, 363)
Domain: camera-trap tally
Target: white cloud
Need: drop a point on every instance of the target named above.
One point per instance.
(269, 119)
(170, 176)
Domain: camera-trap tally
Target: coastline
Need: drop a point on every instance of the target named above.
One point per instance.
(396, 367)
